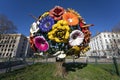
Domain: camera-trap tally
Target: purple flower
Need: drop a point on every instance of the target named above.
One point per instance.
(41, 44)
(46, 23)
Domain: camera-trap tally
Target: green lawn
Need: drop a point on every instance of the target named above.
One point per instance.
(77, 71)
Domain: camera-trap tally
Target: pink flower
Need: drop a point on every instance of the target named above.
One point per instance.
(41, 43)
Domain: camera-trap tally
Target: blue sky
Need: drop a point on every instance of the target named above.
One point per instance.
(104, 14)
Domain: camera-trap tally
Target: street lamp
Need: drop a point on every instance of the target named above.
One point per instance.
(114, 57)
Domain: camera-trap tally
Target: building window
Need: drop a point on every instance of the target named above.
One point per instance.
(104, 35)
(11, 49)
(9, 45)
(4, 54)
(110, 40)
(118, 40)
(101, 41)
(114, 40)
(102, 46)
(108, 35)
(13, 45)
(7, 54)
(15, 37)
(14, 41)
(107, 46)
(106, 41)
(8, 49)
(99, 36)
(10, 54)
(112, 35)
(117, 35)
(1, 41)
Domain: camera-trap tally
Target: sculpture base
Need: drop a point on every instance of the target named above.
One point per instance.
(60, 69)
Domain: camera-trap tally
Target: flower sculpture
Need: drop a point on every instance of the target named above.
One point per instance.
(64, 30)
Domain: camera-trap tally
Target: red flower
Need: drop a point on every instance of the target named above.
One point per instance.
(57, 12)
(32, 45)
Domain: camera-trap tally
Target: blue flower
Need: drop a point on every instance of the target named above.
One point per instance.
(46, 23)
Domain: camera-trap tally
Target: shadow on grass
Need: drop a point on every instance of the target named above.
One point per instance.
(74, 66)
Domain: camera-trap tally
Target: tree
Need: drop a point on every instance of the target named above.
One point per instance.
(6, 25)
(116, 28)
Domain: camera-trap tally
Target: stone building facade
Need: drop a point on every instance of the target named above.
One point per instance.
(14, 45)
(105, 44)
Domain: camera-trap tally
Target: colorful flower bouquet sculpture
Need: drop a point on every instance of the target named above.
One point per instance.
(60, 32)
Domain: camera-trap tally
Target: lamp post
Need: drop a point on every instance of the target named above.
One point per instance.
(114, 59)
(24, 59)
(114, 48)
(9, 64)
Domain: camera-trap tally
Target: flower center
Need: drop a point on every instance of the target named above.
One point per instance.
(47, 24)
(57, 10)
(70, 20)
(60, 33)
(75, 35)
(42, 45)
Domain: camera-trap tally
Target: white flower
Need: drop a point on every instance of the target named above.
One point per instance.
(60, 54)
(34, 27)
(76, 38)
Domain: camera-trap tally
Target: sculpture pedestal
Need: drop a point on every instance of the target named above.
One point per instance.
(60, 68)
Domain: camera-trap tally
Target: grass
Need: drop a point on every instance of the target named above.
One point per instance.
(76, 71)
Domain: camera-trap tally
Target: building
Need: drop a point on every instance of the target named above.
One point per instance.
(105, 44)
(14, 45)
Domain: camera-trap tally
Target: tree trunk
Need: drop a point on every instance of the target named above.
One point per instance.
(60, 68)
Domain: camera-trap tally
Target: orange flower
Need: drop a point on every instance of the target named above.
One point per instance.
(73, 11)
(71, 18)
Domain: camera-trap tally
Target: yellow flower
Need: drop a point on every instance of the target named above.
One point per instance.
(86, 49)
(76, 48)
(59, 32)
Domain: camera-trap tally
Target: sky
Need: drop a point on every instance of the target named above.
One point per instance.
(104, 14)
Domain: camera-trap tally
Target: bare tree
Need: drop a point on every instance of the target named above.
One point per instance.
(6, 25)
(116, 28)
